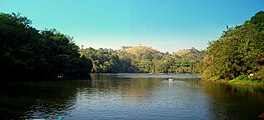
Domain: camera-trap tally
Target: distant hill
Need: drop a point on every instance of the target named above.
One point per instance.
(186, 52)
(190, 54)
(148, 52)
(143, 59)
(140, 50)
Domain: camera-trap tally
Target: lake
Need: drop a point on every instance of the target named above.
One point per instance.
(130, 97)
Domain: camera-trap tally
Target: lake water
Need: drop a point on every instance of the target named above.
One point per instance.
(130, 97)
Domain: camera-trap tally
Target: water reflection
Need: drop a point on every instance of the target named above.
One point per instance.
(36, 100)
(234, 102)
(133, 89)
(130, 96)
(136, 98)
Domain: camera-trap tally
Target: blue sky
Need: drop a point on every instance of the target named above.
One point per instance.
(167, 25)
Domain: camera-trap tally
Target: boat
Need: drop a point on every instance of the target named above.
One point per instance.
(171, 79)
(60, 76)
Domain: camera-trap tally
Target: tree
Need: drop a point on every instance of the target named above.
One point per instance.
(26, 52)
(239, 51)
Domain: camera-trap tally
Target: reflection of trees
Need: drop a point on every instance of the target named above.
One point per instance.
(234, 102)
(36, 99)
(132, 88)
(53, 98)
(141, 88)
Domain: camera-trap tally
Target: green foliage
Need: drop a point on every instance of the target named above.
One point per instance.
(217, 77)
(239, 51)
(26, 52)
(108, 61)
(245, 80)
(242, 77)
(142, 59)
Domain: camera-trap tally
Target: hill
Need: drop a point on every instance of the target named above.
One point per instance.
(142, 59)
(140, 50)
(190, 54)
(186, 52)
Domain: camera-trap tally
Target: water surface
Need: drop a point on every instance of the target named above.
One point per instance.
(130, 97)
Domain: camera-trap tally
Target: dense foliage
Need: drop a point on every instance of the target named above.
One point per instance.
(142, 59)
(26, 51)
(239, 51)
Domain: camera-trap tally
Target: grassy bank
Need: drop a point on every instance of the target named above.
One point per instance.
(240, 80)
(245, 80)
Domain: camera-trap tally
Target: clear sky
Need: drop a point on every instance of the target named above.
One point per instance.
(166, 25)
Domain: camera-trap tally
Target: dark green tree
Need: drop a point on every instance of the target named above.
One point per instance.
(239, 51)
(27, 52)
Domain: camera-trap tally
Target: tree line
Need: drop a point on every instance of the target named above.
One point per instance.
(239, 52)
(142, 59)
(28, 52)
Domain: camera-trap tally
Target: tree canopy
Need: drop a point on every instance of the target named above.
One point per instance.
(239, 51)
(142, 59)
(26, 51)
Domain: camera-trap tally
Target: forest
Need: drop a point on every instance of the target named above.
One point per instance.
(142, 59)
(238, 53)
(26, 51)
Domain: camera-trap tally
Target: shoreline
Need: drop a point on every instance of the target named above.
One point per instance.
(236, 82)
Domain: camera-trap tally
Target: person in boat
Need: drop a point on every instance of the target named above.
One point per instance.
(60, 75)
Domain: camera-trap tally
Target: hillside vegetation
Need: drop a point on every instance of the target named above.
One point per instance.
(184, 52)
(27, 52)
(140, 50)
(142, 59)
(238, 52)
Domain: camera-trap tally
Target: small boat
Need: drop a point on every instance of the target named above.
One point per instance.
(60, 76)
(171, 79)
